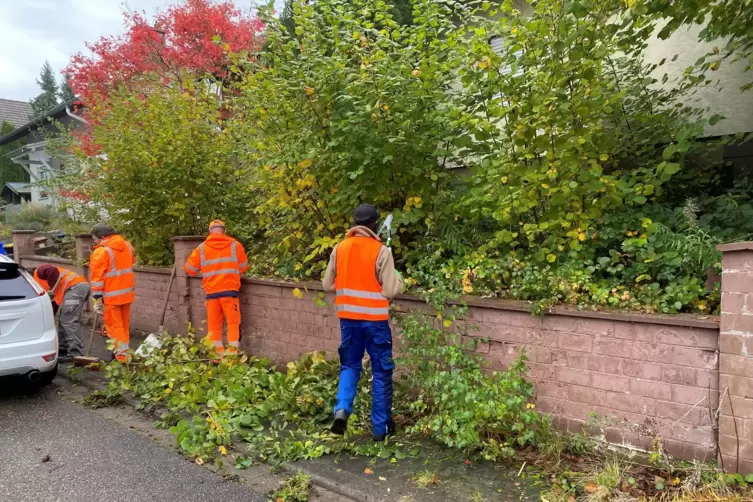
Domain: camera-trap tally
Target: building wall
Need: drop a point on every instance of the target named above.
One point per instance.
(39, 195)
(723, 96)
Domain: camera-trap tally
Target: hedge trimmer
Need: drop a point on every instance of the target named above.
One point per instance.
(386, 230)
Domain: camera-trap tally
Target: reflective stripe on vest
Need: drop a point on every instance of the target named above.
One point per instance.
(118, 292)
(204, 262)
(363, 310)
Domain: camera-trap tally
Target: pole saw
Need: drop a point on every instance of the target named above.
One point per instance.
(386, 230)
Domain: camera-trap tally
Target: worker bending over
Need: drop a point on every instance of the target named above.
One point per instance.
(69, 292)
(113, 284)
(362, 272)
(220, 260)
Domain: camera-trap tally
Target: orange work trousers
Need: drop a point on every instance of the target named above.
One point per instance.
(117, 319)
(219, 310)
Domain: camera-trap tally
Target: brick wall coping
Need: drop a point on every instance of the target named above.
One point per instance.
(686, 320)
(735, 246)
(189, 238)
(24, 232)
(51, 259)
(154, 270)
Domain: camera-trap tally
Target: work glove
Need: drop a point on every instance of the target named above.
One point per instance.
(98, 307)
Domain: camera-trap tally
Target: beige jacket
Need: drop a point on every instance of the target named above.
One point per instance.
(391, 281)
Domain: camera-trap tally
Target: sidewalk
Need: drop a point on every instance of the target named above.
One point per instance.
(376, 480)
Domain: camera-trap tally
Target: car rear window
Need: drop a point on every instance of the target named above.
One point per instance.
(13, 285)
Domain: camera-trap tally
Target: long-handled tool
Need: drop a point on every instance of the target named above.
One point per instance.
(387, 228)
(86, 359)
(152, 341)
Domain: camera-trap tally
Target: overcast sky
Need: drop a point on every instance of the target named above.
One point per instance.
(34, 30)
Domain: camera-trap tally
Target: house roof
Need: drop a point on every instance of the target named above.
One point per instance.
(55, 113)
(18, 187)
(15, 112)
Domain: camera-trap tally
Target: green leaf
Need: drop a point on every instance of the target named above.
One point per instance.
(669, 152)
(671, 168)
(714, 119)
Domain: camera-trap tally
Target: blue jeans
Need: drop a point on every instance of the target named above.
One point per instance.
(376, 338)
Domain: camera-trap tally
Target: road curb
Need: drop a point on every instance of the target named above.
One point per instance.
(327, 484)
(316, 479)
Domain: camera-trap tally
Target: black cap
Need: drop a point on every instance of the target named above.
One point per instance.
(101, 230)
(366, 215)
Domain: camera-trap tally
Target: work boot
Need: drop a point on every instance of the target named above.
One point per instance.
(379, 438)
(340, 423)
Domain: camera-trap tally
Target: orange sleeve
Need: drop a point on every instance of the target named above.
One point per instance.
(193, 264)
(242, 258)
(98, 265)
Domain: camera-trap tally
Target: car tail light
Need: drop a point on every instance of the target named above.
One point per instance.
(50, 357)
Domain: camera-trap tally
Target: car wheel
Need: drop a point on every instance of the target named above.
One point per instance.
(49, 376)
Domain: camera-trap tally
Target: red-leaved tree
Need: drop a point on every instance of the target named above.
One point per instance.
(193, 37)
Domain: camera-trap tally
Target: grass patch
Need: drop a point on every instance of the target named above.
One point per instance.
(425, 479)
(296, 488)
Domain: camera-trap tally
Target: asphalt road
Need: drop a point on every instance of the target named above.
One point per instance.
(54, 450)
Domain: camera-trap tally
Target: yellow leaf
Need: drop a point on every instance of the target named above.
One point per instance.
(297, 293)
(199, 460)
(223, 450)
(604, 157)
(530, 406)
(551, 258)
(368, 471)
(590, 487)
(447, 323)
(382, 478)
(582, 236)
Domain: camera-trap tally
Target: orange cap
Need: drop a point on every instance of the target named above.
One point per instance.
(216, 224)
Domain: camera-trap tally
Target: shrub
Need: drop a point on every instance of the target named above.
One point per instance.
(36, 217)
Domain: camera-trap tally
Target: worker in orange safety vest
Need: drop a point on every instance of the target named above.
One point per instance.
(220, 260)
(362, 272)
(113, 284)
(69, 292)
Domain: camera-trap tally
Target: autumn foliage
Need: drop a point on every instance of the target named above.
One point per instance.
(191, 38)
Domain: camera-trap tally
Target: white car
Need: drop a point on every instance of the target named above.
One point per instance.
(28, 337)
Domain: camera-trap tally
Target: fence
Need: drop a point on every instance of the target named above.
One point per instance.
(643, 375)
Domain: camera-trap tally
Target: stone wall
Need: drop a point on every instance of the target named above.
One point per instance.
(642, 375)
(736, 358)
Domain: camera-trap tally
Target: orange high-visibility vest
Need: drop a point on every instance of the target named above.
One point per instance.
(359, 294)
(112, 275)
(66, 281)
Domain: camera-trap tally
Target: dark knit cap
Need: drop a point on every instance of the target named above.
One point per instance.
(101, 230)
(366, 215)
